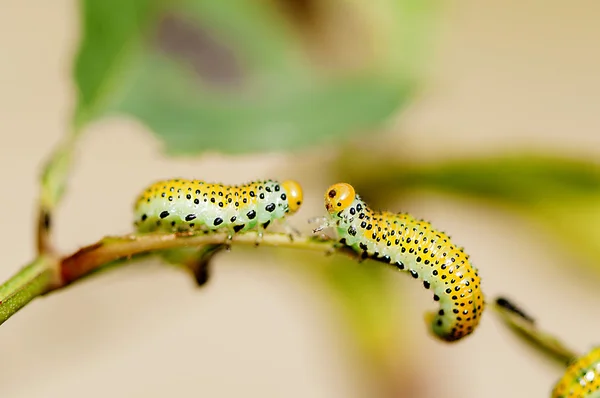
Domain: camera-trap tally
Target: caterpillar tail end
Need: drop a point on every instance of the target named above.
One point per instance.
(431, 321)
(437, 329)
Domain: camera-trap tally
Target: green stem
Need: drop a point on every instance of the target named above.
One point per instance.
(525, 327)
(53, 185)
(46, 273)
(33, 280)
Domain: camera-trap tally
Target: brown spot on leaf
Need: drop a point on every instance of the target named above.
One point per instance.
(199, 49)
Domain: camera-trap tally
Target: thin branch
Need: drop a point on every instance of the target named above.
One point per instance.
(53, 185)
(43, 237)
(47, 274)
(525, 327)
(33, 280)
(110, 249)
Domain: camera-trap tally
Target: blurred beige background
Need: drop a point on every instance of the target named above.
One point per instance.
(506, 74)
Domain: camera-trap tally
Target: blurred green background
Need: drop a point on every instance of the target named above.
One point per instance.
(481, 118)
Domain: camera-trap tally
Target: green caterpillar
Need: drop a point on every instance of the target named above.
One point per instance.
(181, 205)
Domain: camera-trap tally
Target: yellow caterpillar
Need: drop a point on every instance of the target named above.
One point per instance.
(413, 246)
(582, 378)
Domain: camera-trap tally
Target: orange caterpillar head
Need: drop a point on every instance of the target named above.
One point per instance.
(338, 197)
(293, 191)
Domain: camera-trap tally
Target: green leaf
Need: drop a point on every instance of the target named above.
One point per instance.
(560, 193)
(111, 32)
(233, 75)
(367, 297)
(191, 121)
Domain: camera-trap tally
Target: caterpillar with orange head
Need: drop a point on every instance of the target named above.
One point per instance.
(413, 246)
(181, 205)
(582, 378)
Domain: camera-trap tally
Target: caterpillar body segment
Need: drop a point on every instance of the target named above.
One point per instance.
(413, 246)
(182, 205)
(582, 378)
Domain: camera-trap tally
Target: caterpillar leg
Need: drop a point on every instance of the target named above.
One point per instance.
(324, 222)
(189, 233)
(228, 240)
(259, 232)
(330, 251)
(335, 247)
(362, 257)
(290, 230)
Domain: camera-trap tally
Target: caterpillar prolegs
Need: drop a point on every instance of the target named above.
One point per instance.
(181, 205)
(413, 246)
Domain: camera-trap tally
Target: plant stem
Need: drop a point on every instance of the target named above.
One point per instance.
(53, 185)
(525, 327)
(109, 249)
(46, 273)
(43, 238)
(33, 280)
